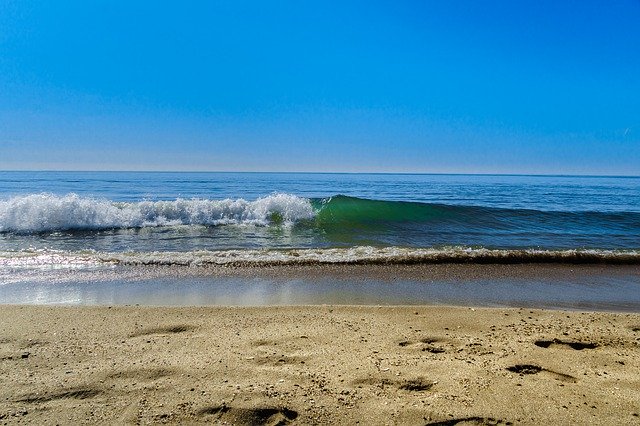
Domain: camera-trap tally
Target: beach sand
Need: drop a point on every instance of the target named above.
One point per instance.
(318, 365)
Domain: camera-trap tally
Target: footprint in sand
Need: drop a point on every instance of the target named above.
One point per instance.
(17, 349)
(249, 416)
(170, 329)
(74, 393)
(144, 374)
(277, 353)
(526, 369)
(415, 385)
(278, 360)
(572, 344)
(425, 344)
(489, 421)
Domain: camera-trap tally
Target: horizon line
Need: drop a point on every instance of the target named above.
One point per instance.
(321, 173)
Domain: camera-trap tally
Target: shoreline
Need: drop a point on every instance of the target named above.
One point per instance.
(612, 288)
(318, 365)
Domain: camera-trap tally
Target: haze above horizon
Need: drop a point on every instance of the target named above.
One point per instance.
(408, 86)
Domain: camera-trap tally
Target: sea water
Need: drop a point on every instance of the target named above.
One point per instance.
(58, 220)
(181, 212)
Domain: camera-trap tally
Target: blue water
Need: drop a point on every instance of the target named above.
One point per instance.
(544, 193)
(124, 212)
(86, 237)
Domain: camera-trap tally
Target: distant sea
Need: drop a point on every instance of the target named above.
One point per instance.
(291, 238)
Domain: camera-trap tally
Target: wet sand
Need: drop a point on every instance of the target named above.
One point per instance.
(595, 287)
(318, 365)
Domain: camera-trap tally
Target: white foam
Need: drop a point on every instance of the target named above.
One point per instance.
(368, 255)
(360, 254)
(48, 212)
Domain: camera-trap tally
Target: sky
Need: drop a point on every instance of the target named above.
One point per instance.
(532, 87)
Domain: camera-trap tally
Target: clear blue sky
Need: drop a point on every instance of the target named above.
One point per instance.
(407, 86)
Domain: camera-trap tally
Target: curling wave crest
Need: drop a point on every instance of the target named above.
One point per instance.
(48, 212)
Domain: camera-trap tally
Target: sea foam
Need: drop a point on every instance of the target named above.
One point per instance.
(48, 212)
(363, 255)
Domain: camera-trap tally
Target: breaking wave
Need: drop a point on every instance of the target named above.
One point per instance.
(47, 212)
(289, 221)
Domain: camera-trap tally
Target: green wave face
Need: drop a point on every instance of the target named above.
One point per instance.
(341, 210)
(343, 220)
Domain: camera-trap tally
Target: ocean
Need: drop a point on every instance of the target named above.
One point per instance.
(88, 221)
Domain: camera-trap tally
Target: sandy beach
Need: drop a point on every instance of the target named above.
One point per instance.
(317, 365)
(319, 213)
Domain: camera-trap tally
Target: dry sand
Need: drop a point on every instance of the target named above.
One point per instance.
(317, 365)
